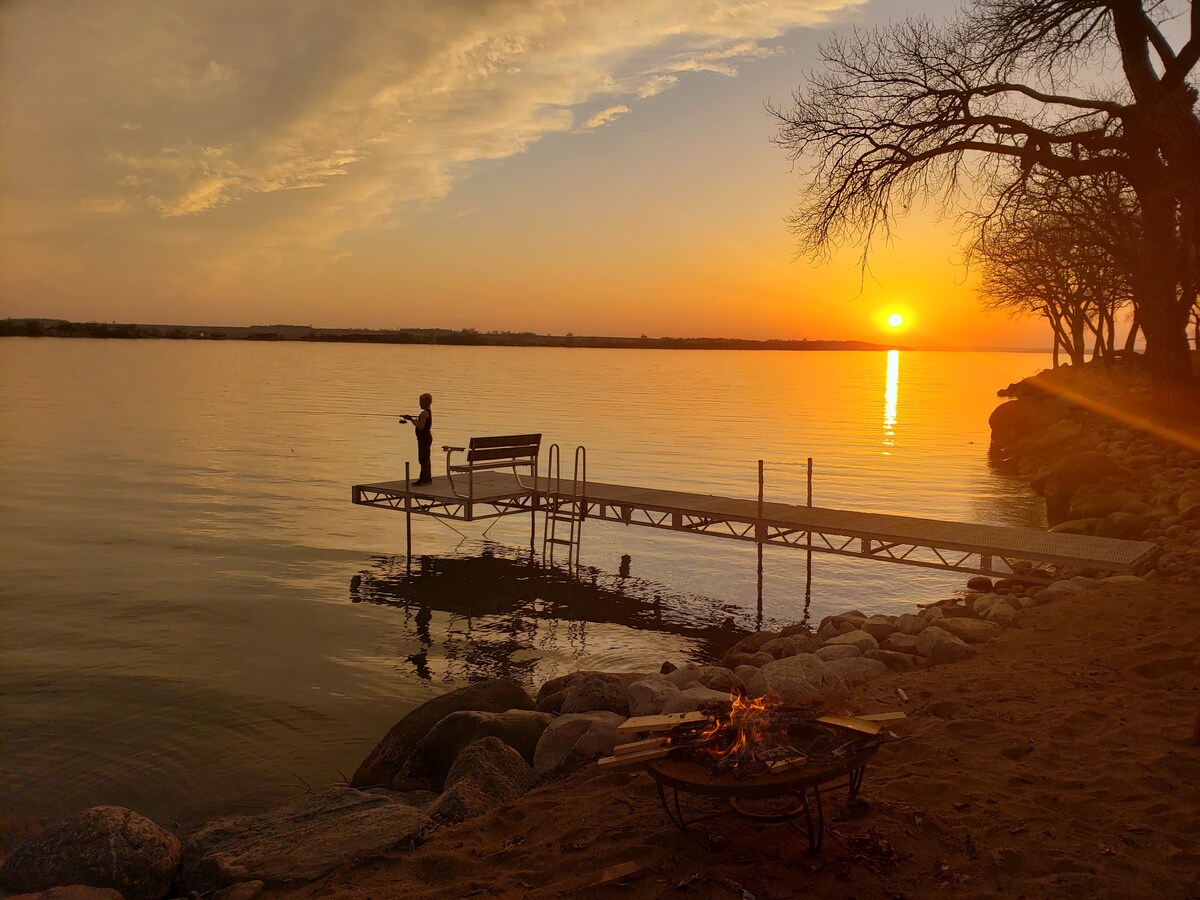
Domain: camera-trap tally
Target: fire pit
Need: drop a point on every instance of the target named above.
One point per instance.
(770, 764)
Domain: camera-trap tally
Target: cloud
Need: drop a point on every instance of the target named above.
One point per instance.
(221, 109)
(606, 115)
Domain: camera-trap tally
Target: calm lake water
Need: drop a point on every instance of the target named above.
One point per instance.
(180, 634)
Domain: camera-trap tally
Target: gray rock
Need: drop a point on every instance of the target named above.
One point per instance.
(984, 603)
(571, 741)
(498, 769)
(693, 698)
(685, 675)
(648, 696)
(896, 662)
(486, 774)
(858, 638)
(390, 756)
(519, 728)
(853, 670)
(464, 800)
(1057, 591)
(745, 673)
(910, 624)
(719, 678)
(879, 627)
(600, 691)
(780, 647)
(930, 613)
(1001, 614)
(301, 841)
(796, 677)
(1120, 579)
(103, 847)
(901, 643)
(974, 631)
(939, 646)
(837, 651)
(979, 583)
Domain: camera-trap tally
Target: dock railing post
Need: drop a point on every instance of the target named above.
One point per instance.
(759, 534)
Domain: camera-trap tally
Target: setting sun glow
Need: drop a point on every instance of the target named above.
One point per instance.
(895, 320)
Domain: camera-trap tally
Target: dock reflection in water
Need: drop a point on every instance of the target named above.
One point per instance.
(501, 614)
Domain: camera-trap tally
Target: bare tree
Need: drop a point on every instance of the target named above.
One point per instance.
(1060, 249)
(975, 108)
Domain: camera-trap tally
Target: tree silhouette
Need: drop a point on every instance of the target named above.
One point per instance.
(971, 110)
(1063, 249)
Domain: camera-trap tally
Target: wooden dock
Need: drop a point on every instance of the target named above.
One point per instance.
(992, 550)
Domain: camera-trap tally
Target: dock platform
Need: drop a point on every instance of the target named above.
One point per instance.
(993, 550)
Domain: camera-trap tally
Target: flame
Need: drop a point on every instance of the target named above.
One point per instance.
(748, 723)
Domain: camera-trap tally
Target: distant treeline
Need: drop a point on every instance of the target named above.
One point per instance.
(467, 336)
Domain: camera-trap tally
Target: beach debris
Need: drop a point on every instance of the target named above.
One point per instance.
(903, 696)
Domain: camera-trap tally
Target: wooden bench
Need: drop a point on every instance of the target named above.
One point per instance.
(505, 451)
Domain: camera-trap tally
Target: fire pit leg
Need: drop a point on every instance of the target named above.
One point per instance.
(676, 815)
(856, 780)
(815, 830)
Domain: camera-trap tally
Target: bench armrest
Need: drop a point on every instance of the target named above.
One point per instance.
(447, 449)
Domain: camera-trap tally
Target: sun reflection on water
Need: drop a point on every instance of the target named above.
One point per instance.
(890, 394)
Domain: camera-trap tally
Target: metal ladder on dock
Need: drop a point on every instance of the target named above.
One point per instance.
(563, 508)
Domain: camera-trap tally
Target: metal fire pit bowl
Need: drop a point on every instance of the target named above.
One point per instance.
(790, 796)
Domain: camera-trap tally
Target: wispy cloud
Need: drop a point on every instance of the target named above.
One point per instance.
(207, 109)
(606, 115)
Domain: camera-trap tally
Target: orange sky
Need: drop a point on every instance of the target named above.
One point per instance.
(542, 166)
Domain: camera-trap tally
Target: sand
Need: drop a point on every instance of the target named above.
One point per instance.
(1060, 761)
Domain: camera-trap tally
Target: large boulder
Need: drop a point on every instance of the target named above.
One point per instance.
(1021, 418)
(104, 847)
(973, 631)
(599, 691)
(648, 696)
(857, 638)
(390, 756)
(896, 662)
(571, 741)
(879, 626)
(519, 728)
(940, 646)
(301, 841)
(902, 643)
(855, 669)
(909, 624)
(486, 773)
(837, 651)
(796, 678)
(694, 698)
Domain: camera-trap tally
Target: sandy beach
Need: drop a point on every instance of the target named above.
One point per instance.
(1062, 760)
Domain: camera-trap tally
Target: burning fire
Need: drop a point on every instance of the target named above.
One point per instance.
(746, 731)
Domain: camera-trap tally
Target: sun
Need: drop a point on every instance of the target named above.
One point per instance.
(895, 320)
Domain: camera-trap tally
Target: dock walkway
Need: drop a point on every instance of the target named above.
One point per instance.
(992, 550)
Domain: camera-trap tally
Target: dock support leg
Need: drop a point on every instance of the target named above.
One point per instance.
(759, 528)
(407, 519)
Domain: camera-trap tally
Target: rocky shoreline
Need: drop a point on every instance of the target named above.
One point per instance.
(471, 751)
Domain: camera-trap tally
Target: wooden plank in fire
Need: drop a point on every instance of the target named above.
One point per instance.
(632, 759)
(882, 717)
(639, 746)
(662, 723)
(853, 723)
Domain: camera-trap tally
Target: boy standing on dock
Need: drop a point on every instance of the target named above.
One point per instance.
(423, 423)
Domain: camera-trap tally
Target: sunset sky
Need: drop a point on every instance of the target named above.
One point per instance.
(600, 168)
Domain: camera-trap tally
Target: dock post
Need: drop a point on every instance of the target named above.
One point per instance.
(759, 529)
(407, 518)
(808, 561)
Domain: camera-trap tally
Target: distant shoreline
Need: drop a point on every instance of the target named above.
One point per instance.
(465, 337)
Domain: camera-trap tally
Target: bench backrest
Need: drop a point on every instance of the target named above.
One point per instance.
(520, 449)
